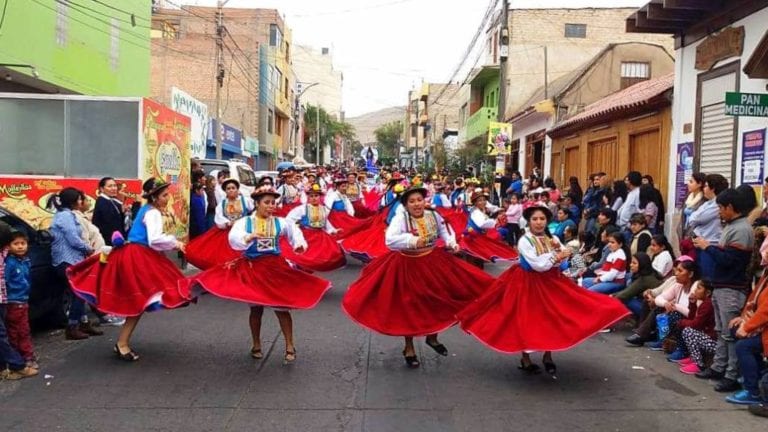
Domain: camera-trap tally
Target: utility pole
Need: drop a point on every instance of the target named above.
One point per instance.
(417, 129)
(546, 74)
(219, 73)
(317, 130)
(503, 56)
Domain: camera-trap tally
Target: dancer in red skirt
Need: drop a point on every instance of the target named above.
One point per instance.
(212, 248)
(417, 288)
(355, 194)
(290, 195)
(324, 253)
(480, 238)
(342, 212)
(533, 307)
(135, 277)
(261, 277)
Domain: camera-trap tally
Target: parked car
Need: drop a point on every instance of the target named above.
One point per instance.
(271, 174)
(237, 169)
(50, 296)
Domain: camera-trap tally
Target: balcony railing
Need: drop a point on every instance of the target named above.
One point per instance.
(477, 123)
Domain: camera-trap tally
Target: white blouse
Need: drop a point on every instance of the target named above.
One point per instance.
(238, 234)
(481, 219)
(157, 239)
(294, 217)
(543, 260)
(222, 221)
(333, 195)
(398, 237)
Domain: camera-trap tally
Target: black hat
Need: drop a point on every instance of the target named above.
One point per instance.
(264, 190)
(229, 180)
(414, 188)
(152, 186)
(529, 211)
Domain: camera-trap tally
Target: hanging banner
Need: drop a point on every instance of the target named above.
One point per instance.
(753, 157)
(197, 112)
(684, 171)
(499, 138)
(28, 197)
(165, 154)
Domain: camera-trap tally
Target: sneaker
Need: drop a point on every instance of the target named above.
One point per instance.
(743, 397)
(760, 409)
(727, 385)
(709, 373)
(14, 375)
(676, 356)
(690, 369)
(686, 361)
(656, 346)
(111, 320)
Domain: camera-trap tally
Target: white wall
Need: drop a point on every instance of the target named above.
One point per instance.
(684, 103)
(526, 126)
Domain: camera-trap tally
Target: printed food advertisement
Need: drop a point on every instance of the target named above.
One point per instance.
(28, 197)
(165, 153)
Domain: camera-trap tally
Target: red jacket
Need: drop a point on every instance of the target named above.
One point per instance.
(756, 310)
(703, 318)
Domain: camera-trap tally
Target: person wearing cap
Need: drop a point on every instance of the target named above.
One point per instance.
(261, 276)
(135, 277)
(481, 239)
(534, 307)
(212, 248)
(417, 287)
(324, 253)
(290, 196)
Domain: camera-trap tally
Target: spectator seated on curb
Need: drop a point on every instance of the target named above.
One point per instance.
(643, 278)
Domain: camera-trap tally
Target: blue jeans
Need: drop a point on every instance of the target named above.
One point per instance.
(8, 355)
(635, 305)
(77, 308)
(749, 351)
(601, 287)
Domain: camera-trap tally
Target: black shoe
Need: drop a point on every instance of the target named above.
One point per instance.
(760, 409)
(635, 340)
(709, 373)
(439, 348)
(411, 361)
(727, 385)
(530, 368)
(550, 368)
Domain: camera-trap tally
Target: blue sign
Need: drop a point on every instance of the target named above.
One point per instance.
(231, 138)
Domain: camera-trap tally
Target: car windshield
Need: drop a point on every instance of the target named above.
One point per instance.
(247, 177)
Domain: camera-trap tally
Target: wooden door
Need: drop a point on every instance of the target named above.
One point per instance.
(571, 167)
(555, 167)
(603, 156)
(645, 156)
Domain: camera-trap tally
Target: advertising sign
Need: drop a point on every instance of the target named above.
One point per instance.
(746, 104)
(165, 154)
(197, 112)
(684, 171)
(252, 145)
(752, 157)
(499, 138)
(28, 197)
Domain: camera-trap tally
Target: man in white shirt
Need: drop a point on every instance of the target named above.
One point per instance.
(631, 205)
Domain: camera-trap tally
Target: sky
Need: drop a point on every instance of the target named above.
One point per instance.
(386, 47)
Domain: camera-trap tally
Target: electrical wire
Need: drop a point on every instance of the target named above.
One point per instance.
(109, 6)
(2, 17)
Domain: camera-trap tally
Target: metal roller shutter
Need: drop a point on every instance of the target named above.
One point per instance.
(717, 146)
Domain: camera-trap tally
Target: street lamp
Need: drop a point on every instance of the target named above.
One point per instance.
(317, 117)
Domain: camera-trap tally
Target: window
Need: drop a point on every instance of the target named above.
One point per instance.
(270, 121)
(278, 80)
(575, 30)
(285, 88)
(275, 36)
(634, 72)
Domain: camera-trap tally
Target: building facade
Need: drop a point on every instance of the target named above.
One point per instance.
(56, 47)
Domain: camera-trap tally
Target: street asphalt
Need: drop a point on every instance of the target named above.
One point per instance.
(195, 374)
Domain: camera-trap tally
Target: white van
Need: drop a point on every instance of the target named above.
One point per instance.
(237, 169)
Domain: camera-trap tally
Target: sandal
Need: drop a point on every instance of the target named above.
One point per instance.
(412, 361)
(550, 368)
(530, 368)
(256, 353)
(130, 356)
(290, 357)
(439, 348)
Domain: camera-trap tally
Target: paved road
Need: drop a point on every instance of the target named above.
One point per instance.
(195, 375)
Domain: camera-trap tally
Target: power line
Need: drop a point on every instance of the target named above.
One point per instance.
(109, 6)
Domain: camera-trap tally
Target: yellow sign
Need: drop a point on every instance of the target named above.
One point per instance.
(499, 138)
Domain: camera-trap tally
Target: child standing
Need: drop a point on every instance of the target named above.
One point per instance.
(514, 212)
(17, 284)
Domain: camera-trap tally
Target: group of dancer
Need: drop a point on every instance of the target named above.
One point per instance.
(265, 249)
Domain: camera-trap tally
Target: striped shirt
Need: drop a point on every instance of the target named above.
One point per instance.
(68, 246)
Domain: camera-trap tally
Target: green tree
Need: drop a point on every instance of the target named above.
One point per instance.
(330, 128)
(387, 140)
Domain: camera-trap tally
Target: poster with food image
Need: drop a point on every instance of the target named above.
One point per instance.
(30, 198)
(165, 153)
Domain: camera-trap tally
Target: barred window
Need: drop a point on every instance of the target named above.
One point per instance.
(575, 30)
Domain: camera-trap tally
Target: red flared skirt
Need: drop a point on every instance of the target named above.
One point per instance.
(370, 242)
(456, 219)
(285, 209)
(486, 247)
(402, 295)
(211, 249)
(268, 281)
(348, 224)
(362, 211)
(323, 252)
(134, 279)
(372, 200)
(532, 311)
